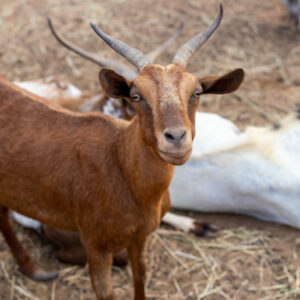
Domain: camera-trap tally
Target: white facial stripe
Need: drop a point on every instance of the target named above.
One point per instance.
(169, 94)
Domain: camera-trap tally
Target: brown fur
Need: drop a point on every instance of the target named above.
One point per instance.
(105, 178)
(70, 249)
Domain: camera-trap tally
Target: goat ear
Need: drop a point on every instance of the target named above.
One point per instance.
(113, 84)
(222, 84)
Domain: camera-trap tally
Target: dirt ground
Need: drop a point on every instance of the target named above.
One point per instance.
(249, 259)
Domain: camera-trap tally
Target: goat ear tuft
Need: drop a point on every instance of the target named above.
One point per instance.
(227, 83)
(113, 84)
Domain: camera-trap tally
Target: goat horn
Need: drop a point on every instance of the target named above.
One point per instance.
(133, 55)
(159, 50)
(186, 51)
(119, 67)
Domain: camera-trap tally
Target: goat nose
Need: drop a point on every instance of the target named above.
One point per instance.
(175, 136)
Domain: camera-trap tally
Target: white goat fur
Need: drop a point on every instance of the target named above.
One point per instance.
(255, 172)
(51, 88)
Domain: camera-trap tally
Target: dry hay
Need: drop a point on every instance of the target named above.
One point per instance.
(242, 262)
(248, 259)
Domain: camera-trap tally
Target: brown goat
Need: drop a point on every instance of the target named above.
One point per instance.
(68, 243)
(105, 178)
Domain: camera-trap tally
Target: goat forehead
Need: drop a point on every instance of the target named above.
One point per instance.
(168, 85)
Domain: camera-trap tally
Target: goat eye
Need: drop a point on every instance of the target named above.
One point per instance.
(136, 98)
(197, 94)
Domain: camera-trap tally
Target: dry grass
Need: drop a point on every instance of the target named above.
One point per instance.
(240, 263)
(248, 259)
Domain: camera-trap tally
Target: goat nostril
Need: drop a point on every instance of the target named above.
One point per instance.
(183, 135)
(169, 136)
(175, 137)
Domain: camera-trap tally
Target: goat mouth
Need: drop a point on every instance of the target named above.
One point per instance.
(176, 158)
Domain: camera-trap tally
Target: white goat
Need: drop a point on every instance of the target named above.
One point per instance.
(255, 172)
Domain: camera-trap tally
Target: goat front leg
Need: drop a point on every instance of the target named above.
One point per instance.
(19, 253)
(100, 263)
(136, 254)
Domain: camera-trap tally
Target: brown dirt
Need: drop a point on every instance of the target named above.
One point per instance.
(249, 259)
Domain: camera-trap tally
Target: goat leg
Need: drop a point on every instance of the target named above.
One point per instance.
(136, 255)
(100, 263)
(23, 259)
(188, 224)
(70, 249)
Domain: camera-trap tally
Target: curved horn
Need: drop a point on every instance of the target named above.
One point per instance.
(159, 50)
(186, 51)
(119, 67)
(133, 55)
